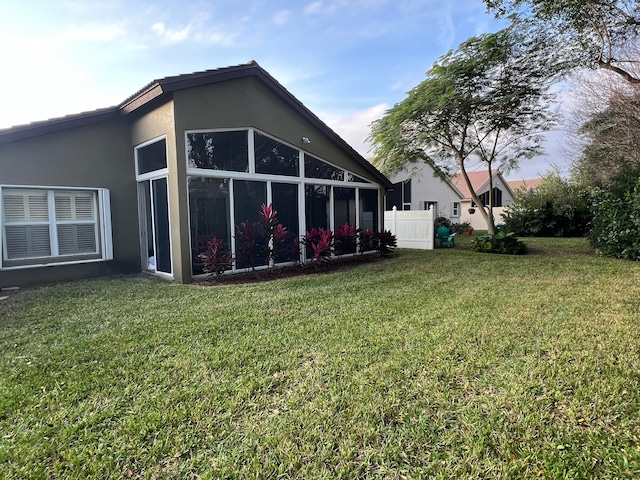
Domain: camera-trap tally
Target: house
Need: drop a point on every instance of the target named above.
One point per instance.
(416, 188)
(502, 196)
(145, 184)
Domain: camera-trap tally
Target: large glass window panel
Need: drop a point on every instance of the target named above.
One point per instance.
(248, 197)
(152, 157)
(275, 158)
(210, 216)
(219, 150)
(285, 201)
(344, 212)
(354, 178)
(317, 206)
(344, 206)
(368, 211)
(316, 168)
(393, 197)
(406, 191)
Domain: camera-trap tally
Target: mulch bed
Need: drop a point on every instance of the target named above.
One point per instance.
(289, 271)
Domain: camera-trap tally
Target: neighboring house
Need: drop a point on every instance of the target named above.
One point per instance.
(418, 189)
(502, 196)
(145, 184)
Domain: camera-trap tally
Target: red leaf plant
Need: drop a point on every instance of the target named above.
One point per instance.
(345, 239)
(216, 258)
(367, 240)
(320, 241)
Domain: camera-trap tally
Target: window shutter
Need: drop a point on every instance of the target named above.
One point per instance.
(39, 223)
(84, 207)
(14, 208)
(76, 239)
(63, 207)
(29, 206)
(74, 206)
(25, 241)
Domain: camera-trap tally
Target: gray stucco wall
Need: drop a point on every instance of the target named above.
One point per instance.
(246, 102)
(98, 155)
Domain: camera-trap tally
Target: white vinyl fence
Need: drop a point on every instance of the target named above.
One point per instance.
(412, 228)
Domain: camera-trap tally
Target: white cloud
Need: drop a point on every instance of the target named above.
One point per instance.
(315, 7)
(215, 37)
(170, 35)
(101, 33)
(282, 17)
(355, 127)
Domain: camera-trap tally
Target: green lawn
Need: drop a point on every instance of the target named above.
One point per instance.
(432, 364)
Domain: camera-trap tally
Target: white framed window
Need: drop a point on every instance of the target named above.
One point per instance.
(427, 204)
(455, 209)
(54, 225)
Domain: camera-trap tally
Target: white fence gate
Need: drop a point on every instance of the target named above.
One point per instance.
(412, 228)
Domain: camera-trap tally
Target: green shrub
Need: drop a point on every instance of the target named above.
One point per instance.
(386, 242)
(615, 229)
(556, 208)
(461, 228)
(502, 242)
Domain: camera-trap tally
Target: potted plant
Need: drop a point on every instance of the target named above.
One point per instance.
(472, 210)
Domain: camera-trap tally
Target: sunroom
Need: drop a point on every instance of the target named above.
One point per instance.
(231, 173)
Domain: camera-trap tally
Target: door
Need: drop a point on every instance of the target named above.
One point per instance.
(155, 238)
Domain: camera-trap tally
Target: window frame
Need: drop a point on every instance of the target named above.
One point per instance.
(152, 173)
(456, 208)
(102, 222)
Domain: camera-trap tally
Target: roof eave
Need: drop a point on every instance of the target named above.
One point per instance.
(24, 132)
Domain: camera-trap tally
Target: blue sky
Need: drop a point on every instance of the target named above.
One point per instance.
(346, 60)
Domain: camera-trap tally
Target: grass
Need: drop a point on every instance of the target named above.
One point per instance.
(433, 364)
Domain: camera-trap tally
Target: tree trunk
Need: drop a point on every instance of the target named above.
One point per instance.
(488, 216)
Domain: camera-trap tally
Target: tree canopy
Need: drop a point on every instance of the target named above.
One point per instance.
(590, 33)
(486, 101)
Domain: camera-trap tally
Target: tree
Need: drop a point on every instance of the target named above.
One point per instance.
(590, 33)
(610, 131)
(488, 100)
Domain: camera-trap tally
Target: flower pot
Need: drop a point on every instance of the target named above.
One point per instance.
(472, 210)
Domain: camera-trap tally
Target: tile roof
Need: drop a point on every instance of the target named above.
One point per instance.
(478, 179)
(528, 184)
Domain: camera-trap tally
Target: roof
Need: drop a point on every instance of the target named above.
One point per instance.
(478, 179)
(528, 184)
(161, 90)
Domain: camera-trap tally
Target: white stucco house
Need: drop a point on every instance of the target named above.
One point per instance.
(416, 188)
(502, 196)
